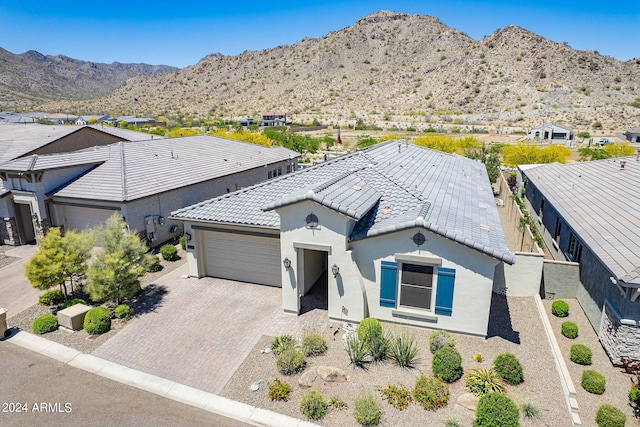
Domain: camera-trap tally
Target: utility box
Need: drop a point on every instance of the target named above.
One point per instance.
(3, 322)
(73, 317)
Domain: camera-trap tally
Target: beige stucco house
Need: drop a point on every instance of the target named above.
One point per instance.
(398, 232)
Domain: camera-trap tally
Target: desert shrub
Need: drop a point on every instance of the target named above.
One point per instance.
(634, 394)
(478, 357)
(447, 364)
(560, 308)
(73, 301)
(439, 339)
(580, 354)
(183, 242)
(482, 381)
(97, 321)
(123, 311)
(403, 350)
(313, 405)
(530, 411)
(369, 327)
(593, 382)
(609, 416)
(45, 323)
(496, 410)
(337, 403)
(371, 334)
(291, 361)
(51, 297)
(313, 343)
(366, 410)
(569, 330)
(431, 392)
(509, 368)
(279, 390)
(452, 422)
(398, 396)
(154, 264)
(356, 350)
(281, 343)
(169, 252)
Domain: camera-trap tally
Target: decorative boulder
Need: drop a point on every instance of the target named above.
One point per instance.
(308, 377)
(331, 374)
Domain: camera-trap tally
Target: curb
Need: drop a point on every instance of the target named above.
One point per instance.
(162, 387)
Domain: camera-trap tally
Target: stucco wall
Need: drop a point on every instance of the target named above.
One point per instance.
(560, 279)
(520, 279)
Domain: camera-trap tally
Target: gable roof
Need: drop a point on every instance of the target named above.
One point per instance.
(600, 202)
(128, 171)
(385, 188)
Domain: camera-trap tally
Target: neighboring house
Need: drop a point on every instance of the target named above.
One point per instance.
(144, 181)
(396, 231)
(551, 133)
(633, 135)
(87, 120)
(265, 120)
(136, 121)
(588, 212)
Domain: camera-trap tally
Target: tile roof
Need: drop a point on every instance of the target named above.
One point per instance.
(599, 200)
(127, 171)
(385, 188)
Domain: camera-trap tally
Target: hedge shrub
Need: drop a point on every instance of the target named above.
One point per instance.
(291, 361)
(373, 338)
(593, 381)
(183, 242)
(169, 252)
(97, 321)
(608, 416)
(431, 392)
(447, 364)
(313, 405)
(439, 339)
(73, 301)
(45, 323)
(509, 368)
(123, 311)
(51, 297)
(496, 410)
(154, 264)
(569, 330)
(560, 308)
(366, 409)
(580, 354)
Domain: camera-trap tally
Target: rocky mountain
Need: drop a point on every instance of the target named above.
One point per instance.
(31, 76)
(396, 68)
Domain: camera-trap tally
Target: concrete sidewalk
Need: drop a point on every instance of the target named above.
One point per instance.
(153, 384)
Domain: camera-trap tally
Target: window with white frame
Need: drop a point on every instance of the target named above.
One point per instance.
(416, 285)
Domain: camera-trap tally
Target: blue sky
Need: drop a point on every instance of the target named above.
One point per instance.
(180, 33)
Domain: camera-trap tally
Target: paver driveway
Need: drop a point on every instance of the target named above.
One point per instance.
(203, 329)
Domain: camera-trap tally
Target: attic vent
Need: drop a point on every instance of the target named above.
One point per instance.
(311, 220)
(419, 239)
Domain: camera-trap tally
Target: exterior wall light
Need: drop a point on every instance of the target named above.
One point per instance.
(287, 263)
(335, 270)
(187, 237)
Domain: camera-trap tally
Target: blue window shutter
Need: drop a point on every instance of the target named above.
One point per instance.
(444, 291)
(388, 283)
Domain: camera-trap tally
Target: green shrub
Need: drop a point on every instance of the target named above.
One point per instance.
(356, 350)
(594, 382)
(169, 252)
(369, 327)
(367, 410)
(281, 343)
(560, 308)
(439, 339)
(608, 416)
(183, 242)
(279, 390)
(375, 342)
(123, 311)
(482, 381)
(431, 392)
(530, 411)
(51, 297)
(447, 364)
(509, 368)
(569, 330)
(291, 361)
(73, 301)
(452, 422)
(580, 354)
(336, 402)
(313, 343)
(496, 410)
(313, 405)
(398, 396)
(154, 264)
(97, 321)
(403, 350)
(634, 394)
(45, 323)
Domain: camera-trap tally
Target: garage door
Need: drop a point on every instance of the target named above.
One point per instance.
(79, 218)
(240, 257)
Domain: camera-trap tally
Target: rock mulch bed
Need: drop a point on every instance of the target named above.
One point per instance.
(516, 328)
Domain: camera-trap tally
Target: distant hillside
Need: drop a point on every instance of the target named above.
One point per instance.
(31, 77)
(392, 67)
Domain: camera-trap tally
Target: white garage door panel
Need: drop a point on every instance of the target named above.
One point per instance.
(79, 218)
(251, 259)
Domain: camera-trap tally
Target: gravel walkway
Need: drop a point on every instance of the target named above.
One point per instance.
(515, 327)
(618, 382)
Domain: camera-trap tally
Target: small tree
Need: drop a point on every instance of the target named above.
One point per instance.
(115, 273)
